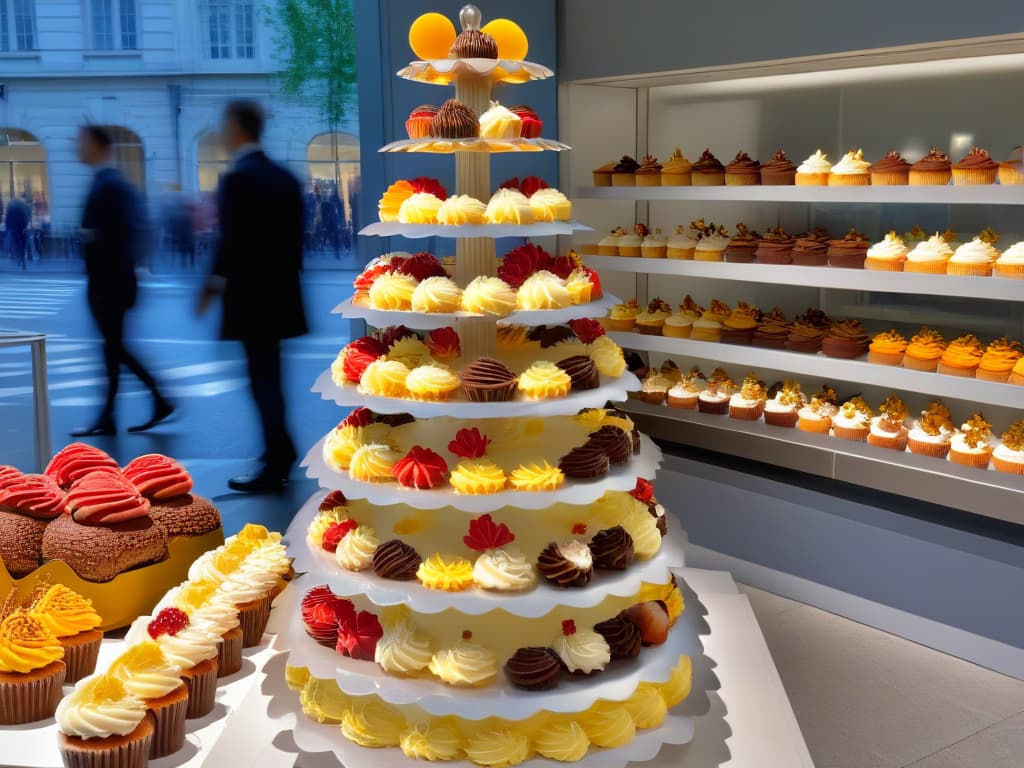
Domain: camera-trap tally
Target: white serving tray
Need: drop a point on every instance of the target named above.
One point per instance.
(444, 71)
(542, 229)
(474, 144)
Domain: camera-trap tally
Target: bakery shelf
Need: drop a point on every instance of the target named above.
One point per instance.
(991, 194)
(414, 231)
(381, 318)
(474, 601)
(446, 71)
(997, 288)
(830, 369)
(350, 397)
(983, 492)
(475, 144)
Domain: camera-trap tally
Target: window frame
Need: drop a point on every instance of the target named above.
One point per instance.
(117, 26)
(229, 43)
(9, 29)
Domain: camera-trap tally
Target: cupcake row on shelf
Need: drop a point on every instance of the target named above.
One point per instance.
(528, 278)
(425, 201)
(934, 169)
(914, 251)
(785, 405)
(455, 120)
(814, 332)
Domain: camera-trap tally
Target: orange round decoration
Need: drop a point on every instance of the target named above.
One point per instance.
(431, 36)
(511, 40)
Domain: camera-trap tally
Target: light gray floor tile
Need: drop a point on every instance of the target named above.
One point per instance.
(999, 746)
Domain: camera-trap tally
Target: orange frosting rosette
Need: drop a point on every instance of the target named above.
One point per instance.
(926, 345)
(1000, 356)
(889, 343)
(963, 352)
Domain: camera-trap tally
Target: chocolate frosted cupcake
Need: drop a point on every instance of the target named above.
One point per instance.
(707, 171)
(778, 171)
(804, 337)
(891, 170)
(850, 252)
(487, 380)
(774, 247)
(614, 442)
(454, 120)
(810, 252)
(474, 44)
(533, 669)
(585, 462)
(742, 171)
(649, 172)
(612, 549)
(582, 372)
(976, 167)
(772, 331)
(742, 246)
(846, 340)
(624, 172)
(396, 560)
(622, 636)
(934, 169)
(568, 564)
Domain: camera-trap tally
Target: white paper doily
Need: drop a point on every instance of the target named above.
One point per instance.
(414, 231)
(474, 144)
(381, 318)
(444, 71)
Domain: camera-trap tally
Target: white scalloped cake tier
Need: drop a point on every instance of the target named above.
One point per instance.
(573, 694)
(348, 396)
(475, 144)
(439, 533)
(415, 231)
(444, 71)
(620, 478)
(427, 321)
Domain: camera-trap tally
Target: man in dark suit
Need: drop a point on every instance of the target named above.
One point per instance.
(111, 236)
(259, 259)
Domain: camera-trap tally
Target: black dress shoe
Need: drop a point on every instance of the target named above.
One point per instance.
(161, 411)
(267, 480)
(101, 428)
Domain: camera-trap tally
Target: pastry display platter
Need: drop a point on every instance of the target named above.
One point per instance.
(474, 144)
(445, 71)
(414, 231)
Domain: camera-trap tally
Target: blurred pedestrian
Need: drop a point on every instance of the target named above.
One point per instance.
(256, 270)
(18, 217)
(111, 238)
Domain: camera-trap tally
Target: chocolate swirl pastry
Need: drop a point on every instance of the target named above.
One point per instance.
(582, 372)
(486, 380)
(549, 335)
(615, 443)
(612, 549)
(569, 564)
(454, 120)
(622, 636)
(396, 560)
(474, 44)
(585, 461)
(658, 513)
(536, 669)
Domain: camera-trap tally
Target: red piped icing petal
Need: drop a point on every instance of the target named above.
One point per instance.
(421, 468)
(421, 266)
(105, 497)
(595, 280)
(512, 183)
(158, 477)
(36, 496)
(335, 498)
(323, 613)
(335, 533)
(430, 186)
(75, 461)
(360, 417)
(469, 443)
(531, 184)
(314, 597)
(388, 336)
(643, 491)
(519, 263)
(485, 534)
(358, 638)
(8, 475)
(586, 329)
(444, 343)
(359, 354)
(563, 266)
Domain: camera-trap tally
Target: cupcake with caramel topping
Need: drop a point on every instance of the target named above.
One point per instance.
(889, 428)
(934, 169)
(782, 410)
(651, 320)
(778, 171)
(976, 167)
(998, 361)
(772, 330)
(684, 393)
(715, 396)
(649, 172)
(853, 421)
(845, 340)
(739, 327)
(850, 252)
(748, 403)
(742, 171)
(707, 171)
(603, 174)
(742, 246)
(1009, 455)
(962, 357)
(924, 350)
(887, 348)
(931, 433)
(852, 171)
(816, 416)
(810, 251)
(891, 170)
(775, 246)
(676, 172)
(971, 446)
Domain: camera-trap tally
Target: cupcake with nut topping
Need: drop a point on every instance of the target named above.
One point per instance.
(676, 171)
(649, 172)
(782, 410)
(929, 256)
(976, 167)
(924, 350)
(998, 361)
(707, 171)
(934, 169)
(891, 170)
(778, 171)
(930, 434)
(853, 421)
(1009, 455)
(889, 427)
(852, 171)
(972, 445)
(742, 171)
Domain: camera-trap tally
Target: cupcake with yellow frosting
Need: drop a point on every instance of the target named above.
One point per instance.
(31, 667)
(384, 378)
(499, 122)
(550, 205)
(631, 242)
(998, 361)
(543, 290)
(72, 619)
(1017, 374)
(651, 321)
(449, 574)
(466, 664)
(971, 446)
(431, 382)
(460, 210)
(929, 256)
(973, 259)
(436, 295)
(609, 244)
(1008, 456)
(489, 296)
(1011, 262)
(392, 291)
(419, 208)
(962, 357)
(509, 206)
(101, 724)
(544, 380)
(814, 171)
(391, 201)
(887, 348)
(887, 255)
(622, 317)
(372, 463)
(477, 477)
(852, 171)
(676, 171)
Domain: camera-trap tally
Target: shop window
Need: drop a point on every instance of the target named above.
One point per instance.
(23, 174)
(213, 161)
(128, 155)
(229, 28)
(332, 170)
(113, 25)
(18, 25)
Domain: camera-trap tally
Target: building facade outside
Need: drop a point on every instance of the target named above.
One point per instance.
(157, 72)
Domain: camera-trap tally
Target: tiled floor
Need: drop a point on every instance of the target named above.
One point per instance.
(867, 699)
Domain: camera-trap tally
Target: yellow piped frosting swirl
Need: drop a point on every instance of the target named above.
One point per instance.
(372, 724)
(537, 477)
(465, 664)
(439, 740)
(504, 570)
(384, 378)
(477, 476)
(452, 575)
(356, 550)
(489, 296)
(550, 205)
(544, 379)
(460, 210)
(607, 357)
(437, 295)
(393, 291)
(643, 528)
(65, 612)
(509, 206)
(372, 463)
(419, 208)
(145, 671)
(562, 740)
(26, 644)
(100, 706)
(431, 382)
(410, 351)
(646, 706)
(543, 290)
(495, 749)
(584, 651)
(678, 685)
(402, 650)
(608, 725)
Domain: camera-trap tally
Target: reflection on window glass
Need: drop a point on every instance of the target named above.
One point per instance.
(213, 161)
(230, 28)
(102, 21)
(23, 173)
(17, 25)
(129, 26)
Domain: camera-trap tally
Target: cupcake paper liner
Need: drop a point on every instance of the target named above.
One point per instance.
(653, 397)
(201, 682)
(894, 179)
(916, 364)
(719, 409)
(999, 377)
(131, 751)
(629, 250)
(623, 180)
(253, 617)
(708, 255)
(684, 254)
(677, 331)
(968, 176)
(648, 180)
(80, 654)
(229, 653)
(977, 460)
(746, 412)
(168, 722)
(676, 180)
(716, 179)
(895, 443)
(924, 448)
(881, 358)
(607, 250)
(1009, 175)
(811, 179)
(968, 270)
(1010, 467)
(602, 179)
(742, 180)
(929, 178)
(685, 403)
(883, 265)
(1012, 271)
(815, 426)
(777, 179)
(616, 324)
(952, 370)
(648, 329)
(31, 697)
(849, 179)
(1017, 378)
(858, 434)
(657, 252)
(781, 418)
(926, 267)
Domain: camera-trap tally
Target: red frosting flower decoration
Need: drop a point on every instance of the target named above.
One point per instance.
(358, 355)
(105, 497)
(8, 475)
(333, 499)
(531, 184)
(586, 329)
(158, 477)
(323, 613)
(388, 336)
(360, 417)
(170, 621)
(444, 343)
(644, 491)
(369, 275)
(421, 266)
(595, 281)
(469, 443)
(77, 460)
(335, 533)
(421, 468)
(430, 186)
(568, 627)
(579, 529)
(35, 496)
(519, 263)
(563, 266)
(358, 637)
(485, 534)
(315, 597)
(512, 183)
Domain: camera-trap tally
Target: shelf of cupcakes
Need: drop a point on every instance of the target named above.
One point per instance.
(813, 344)
(397, 370)
(784, 405)
(421, 207)
(613, 546)
(913, 252)
(455, 127)
(166, 671)
(976, 178)
(531, 288)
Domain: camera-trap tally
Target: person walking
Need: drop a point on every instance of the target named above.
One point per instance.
(19, 216)
(257, 274)
(111, 236)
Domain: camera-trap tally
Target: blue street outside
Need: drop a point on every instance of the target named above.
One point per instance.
(215, 432)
